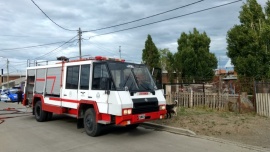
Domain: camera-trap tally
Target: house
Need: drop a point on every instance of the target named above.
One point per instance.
(14, 80)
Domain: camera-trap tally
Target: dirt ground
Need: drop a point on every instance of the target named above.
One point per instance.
(247, 128)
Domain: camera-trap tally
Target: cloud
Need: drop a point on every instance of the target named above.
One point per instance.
(26, 25)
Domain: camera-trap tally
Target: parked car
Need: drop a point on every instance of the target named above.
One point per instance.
(4, 97)
(12, 95)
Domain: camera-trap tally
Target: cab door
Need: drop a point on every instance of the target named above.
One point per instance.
(83, 92)
(70, 90)
(98, 90)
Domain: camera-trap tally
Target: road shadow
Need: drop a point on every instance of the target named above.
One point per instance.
(108, 129)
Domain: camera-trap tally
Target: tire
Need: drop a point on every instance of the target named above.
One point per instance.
(133, 126)
(40, 115)
(92, 128)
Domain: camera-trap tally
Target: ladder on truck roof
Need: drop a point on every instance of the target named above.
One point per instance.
(31, 63)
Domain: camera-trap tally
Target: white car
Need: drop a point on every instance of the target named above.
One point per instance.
(4, 97)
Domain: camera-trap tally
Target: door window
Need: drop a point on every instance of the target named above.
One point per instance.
(72, 77)
(101, 78)
(85, 73)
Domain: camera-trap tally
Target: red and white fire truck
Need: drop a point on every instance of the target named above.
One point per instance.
(97, 91)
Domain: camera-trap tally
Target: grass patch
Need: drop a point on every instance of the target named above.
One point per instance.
(224, 115)
(195, 111)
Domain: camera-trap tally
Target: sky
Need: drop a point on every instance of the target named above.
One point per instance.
(24, 25)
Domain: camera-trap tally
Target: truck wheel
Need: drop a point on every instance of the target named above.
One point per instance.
(92, 128)
(40, 115)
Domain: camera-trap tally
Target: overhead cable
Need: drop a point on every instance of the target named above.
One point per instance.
(145, 17)
(195, 12)
(51, 19)
(57, 47)
(27, 47)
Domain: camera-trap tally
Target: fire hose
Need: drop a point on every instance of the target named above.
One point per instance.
(13, 111)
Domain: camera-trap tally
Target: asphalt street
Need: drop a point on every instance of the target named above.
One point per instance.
(20, 132)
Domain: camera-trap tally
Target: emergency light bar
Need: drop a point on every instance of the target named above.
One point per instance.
(102, 58)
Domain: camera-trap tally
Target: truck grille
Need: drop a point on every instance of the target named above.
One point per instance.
(145, 105)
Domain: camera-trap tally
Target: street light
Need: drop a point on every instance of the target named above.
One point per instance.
(7, 72)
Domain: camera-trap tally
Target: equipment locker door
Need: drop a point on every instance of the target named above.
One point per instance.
(70, 91)
(83, 92)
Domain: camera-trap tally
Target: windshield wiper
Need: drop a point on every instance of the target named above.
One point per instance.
(126, 80)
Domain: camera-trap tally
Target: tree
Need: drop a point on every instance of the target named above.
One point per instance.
(193, 59)
(150, 54)
(248, 43)
(163, 58)
(167, 63)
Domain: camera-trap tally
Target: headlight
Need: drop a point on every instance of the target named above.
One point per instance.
(162, 107)
(127, 111)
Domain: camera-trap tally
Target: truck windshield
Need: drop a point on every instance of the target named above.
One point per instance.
(130, 76)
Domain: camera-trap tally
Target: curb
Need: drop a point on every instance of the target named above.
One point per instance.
(175, 130)
(190, 133)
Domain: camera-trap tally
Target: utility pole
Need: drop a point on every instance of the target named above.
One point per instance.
(2, 74)
(7, 74)
(120, 51)
(80, 40)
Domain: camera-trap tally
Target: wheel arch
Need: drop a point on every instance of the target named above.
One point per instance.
(86, 104)
(37, 98)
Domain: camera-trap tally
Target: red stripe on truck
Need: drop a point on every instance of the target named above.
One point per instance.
(64, 100)
(54, 78)
(40, 79)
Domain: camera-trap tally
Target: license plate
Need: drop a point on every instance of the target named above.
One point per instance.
(142, 116)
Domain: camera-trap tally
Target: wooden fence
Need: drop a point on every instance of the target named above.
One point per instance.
(199, 99)
(263, 104)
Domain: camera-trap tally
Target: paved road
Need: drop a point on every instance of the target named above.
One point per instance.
(24, 134)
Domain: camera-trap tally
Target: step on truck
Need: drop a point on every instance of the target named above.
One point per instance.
(97, 91)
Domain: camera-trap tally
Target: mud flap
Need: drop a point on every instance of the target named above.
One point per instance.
(80, 123)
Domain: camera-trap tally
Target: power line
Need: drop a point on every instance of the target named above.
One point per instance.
(51, 19)
(15, 35)
(3, 66)
(145, 17)
(6, 35)
(168, 19)
(57, 52)
(57, 47)
(27, 47)
(42, 45)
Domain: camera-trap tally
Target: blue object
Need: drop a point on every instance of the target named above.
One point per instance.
(12, 94)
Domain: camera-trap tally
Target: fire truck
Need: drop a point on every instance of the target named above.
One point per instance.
(97, 91)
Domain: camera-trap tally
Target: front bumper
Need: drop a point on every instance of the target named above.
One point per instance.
(139, 118)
